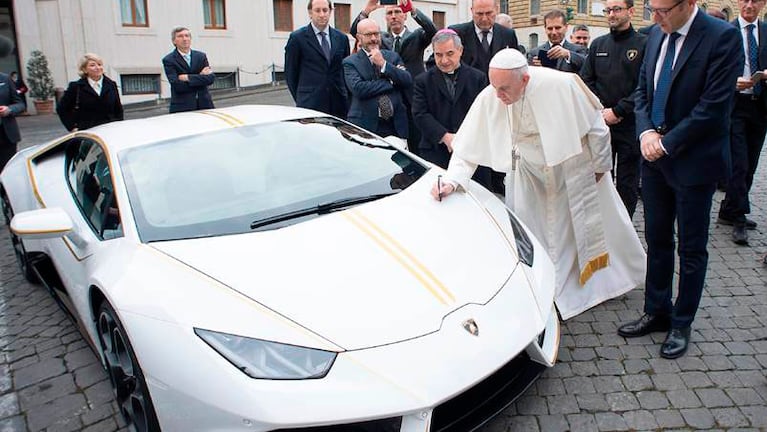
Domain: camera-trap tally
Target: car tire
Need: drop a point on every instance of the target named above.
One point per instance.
(22, 258)
(124, 372)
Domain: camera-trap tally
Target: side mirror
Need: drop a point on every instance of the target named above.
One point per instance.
(397, 142)
(42, 224)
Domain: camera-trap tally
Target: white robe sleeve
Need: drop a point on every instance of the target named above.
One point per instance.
(598, 142)
(459, 172)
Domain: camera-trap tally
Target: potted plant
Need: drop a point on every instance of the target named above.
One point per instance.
(40, 82)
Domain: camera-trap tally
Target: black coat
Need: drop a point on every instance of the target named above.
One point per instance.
(435, 113)
(82, 108)
(502, 38)
(10, 98)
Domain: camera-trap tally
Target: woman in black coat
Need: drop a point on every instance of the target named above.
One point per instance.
(92, 100)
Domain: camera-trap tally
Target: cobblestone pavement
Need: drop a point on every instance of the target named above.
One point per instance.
(50, 379)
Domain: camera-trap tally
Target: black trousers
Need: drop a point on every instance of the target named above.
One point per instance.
(666, 204)
(626, 160)
(7, 148)
(747, 132)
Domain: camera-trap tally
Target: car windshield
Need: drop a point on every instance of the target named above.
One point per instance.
(259, 177)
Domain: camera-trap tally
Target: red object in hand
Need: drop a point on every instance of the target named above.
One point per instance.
(407, 6)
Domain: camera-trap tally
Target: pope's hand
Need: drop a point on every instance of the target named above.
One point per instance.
(447, 189)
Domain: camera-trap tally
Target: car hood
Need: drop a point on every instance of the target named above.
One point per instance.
(375, 274)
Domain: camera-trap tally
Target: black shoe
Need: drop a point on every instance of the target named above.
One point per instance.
(724, 221)
(645, 325)
(740, 235)
(676, 343)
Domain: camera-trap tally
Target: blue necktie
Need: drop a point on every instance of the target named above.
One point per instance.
(753, 56)
(658, 113)
(188, 58)
(325, 46)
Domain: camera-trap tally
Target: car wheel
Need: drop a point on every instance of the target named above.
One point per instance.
(18, 247)
(128, 382)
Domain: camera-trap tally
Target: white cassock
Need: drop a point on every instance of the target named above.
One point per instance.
(562, 141)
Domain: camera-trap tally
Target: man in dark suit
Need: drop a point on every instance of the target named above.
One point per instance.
(409, 44)
(749, 122)
(482, 37)
(189, 74)
(11, 105)
(376, 79)
(313, 69)
(443, 96)
(683, 104)
(566, 56)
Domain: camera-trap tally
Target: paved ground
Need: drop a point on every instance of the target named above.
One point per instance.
(50, 380)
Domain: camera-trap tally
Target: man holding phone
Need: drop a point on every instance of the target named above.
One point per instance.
(557, 52)
(749, 121)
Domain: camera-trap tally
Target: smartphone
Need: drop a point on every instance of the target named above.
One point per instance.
(757, 76)
(543, 56)
(388, 2)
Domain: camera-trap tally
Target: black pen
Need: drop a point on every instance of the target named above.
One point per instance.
(439, 188)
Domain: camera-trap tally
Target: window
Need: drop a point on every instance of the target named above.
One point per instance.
(283, 15)
(90, 180)
(140, 84)
(533, 40)
(342, 15)
(647, 15)
(133, 13)
(226, 80)
(505, 6)
(583, 6)
(214, 12)
(535, 7)
(438, 18)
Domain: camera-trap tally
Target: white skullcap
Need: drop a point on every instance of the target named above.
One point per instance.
(508, 58)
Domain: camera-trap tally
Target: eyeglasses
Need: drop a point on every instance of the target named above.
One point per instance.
(614, 9)
(371, 34)
(664, 11)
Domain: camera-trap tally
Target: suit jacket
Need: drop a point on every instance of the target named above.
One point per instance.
(188, 95)
(313, 82)
(762, 54)
(366, 85)
(82, 108)
(435, 112)
(412, 43)
(578, 54)
(699, 103)
(502, 38)
(12, 100)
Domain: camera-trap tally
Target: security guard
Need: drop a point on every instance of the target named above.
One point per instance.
(611, 71)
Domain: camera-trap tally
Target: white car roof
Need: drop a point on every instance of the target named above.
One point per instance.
(125, 134)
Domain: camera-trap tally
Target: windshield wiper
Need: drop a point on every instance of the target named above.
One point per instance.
(319, 209)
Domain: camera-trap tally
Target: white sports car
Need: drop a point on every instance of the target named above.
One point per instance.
(266, 268)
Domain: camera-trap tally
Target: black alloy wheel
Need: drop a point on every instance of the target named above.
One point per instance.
(124, 372)
(22, 259)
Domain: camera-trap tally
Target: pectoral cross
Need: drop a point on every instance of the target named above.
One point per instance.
(514, 158)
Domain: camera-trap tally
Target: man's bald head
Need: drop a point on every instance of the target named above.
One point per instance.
(368, 34)
(483, 13)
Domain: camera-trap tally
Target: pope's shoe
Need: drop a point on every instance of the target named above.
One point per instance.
(676, 343)
(645, 325)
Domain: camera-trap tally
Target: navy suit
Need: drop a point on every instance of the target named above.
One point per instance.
(9, 133)
(679, 186)
(749, 125)
(437, 113)
(578, 55)
(473, 54)
(314, 82)
(366, 84)
(188, 95)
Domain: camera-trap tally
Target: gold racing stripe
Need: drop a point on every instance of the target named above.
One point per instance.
(226, 118)
(411, 264)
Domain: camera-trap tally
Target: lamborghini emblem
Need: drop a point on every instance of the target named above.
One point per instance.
(632, 54)
(471, 326)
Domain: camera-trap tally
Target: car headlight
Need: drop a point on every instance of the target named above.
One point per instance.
(269, 360)
(525, 249)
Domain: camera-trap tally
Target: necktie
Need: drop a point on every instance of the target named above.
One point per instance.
(450, 83)
(325, 45)
(385, 105)
(485, 42)
(397, 44)
(658, 113)
(188, 58)
(753, 56)
(97, 88)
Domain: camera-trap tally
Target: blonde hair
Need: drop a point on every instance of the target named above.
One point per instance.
(87, 57)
